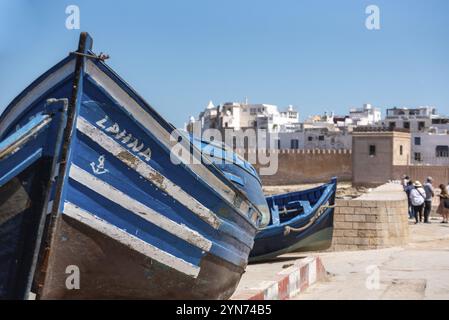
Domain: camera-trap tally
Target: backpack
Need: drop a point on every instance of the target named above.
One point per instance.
(445, 202)
(420, 193)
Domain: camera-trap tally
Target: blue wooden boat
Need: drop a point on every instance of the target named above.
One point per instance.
(121, 212)
(27, 162)
(300, 221)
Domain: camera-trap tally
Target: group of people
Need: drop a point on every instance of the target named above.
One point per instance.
(420, 199)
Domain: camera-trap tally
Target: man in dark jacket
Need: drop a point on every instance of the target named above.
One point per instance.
(407, 189)
(429, 197)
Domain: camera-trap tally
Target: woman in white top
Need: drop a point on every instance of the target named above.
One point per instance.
(417, 198)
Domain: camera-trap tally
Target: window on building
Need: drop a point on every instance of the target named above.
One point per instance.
(421, 125)
(321, 138)
(406, 125)
(234, 142)
(278, 143)
(401, 150)
(245, 142)
(310, 138)
(442, 151)
(418, 156)
(372, 150)
(294, 144)
(417, 141)
(226, 125)
(392, 125)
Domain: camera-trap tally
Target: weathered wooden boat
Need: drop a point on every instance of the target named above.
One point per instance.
(124, 211)
(300, 221)
(27, 161)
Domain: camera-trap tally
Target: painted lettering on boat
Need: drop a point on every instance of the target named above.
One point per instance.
(132, 143)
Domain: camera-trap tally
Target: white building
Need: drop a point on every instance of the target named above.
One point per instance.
(314, 138)
(417, 119)
(365, 116)
(239, 116)
(430, 133)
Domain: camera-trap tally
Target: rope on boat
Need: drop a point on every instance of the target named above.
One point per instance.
(102, 56)
(289, 229)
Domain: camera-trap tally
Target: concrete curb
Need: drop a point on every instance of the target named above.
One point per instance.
(287, 283)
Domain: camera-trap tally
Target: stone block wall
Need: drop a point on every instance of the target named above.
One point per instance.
(375, 220)
(297, 166)
(440, 174)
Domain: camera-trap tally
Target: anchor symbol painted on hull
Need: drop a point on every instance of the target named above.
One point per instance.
(99, 168)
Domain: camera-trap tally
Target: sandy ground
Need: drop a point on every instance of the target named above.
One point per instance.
(344, 189)
(419, 270)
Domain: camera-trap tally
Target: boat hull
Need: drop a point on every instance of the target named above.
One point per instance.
(314, 231)
(27, 162)
(316, 238)
(20, 214)
(110, 270)
(127, 219)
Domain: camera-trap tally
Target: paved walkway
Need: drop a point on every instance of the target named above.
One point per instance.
(418, 271)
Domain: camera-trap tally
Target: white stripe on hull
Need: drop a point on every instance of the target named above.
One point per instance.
(125, 201)
(129, 240)
(146, 171)
(36, 93)
(147, 121)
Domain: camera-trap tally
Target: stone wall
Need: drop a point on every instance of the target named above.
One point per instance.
(440, 174)
(375, 220)
(297, 166)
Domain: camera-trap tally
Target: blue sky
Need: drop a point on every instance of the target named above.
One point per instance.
(316, 55)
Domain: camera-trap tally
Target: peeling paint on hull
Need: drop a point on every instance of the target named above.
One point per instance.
(104, 264)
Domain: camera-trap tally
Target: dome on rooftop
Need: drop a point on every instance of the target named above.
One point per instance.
(210, 105)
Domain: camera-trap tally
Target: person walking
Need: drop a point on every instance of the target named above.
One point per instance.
(407, 190)
(405, 181)
(428, 187)
(443, 208)
(417, 198)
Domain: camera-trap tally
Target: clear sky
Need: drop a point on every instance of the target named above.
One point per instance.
(316, 55)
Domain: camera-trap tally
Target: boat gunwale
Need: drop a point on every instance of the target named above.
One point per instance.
(30, 87)
(23, 135)
(228, 161)
(328, 193)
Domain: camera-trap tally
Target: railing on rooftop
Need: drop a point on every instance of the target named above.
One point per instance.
(380, 129)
